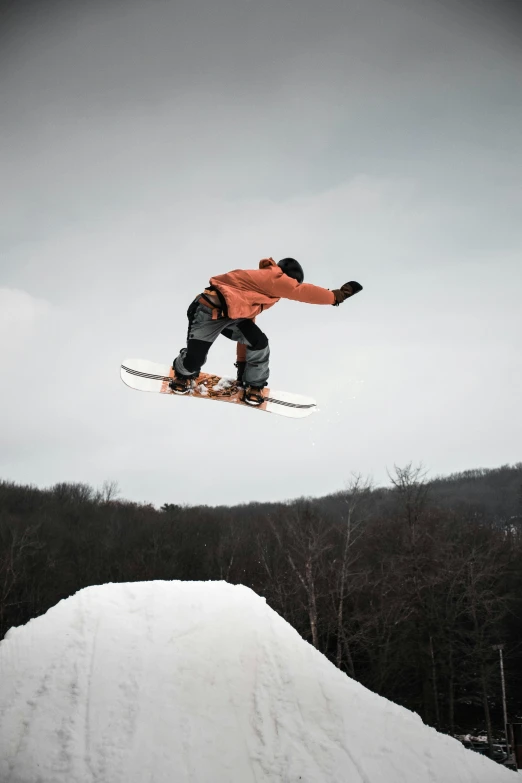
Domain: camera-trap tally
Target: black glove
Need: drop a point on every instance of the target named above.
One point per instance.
(240, 370)
(345, 291)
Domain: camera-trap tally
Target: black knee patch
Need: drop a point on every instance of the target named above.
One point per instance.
(196, 355)
(256, 339)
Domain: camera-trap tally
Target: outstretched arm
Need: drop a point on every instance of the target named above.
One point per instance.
(288, 288)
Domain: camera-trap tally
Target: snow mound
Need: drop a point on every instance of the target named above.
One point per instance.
(158, 682)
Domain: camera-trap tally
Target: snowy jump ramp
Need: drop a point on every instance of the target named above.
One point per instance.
(191, 682)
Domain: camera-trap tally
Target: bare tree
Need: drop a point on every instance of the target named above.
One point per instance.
(412, 491)
(357, 493)
(109, 491)
(18, 542)
(304, 538)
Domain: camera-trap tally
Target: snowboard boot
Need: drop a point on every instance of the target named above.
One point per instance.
(181, 384)
(253, 395)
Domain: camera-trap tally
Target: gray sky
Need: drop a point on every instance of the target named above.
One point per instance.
(147, 146)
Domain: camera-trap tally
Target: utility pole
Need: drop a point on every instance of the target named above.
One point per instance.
(500, 647)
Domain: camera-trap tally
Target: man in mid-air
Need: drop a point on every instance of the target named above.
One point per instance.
(230, 305)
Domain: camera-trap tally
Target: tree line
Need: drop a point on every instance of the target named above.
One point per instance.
(407, 588)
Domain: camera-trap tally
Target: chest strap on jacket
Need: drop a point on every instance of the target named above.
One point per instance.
(221, 298)
(217, 310)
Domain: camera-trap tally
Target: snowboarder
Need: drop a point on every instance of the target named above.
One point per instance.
(230, 305)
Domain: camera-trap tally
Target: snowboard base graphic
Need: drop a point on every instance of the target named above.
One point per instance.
(143, 375)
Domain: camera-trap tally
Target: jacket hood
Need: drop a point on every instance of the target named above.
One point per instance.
(266, 262)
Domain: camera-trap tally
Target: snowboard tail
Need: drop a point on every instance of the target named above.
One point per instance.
(143, 375)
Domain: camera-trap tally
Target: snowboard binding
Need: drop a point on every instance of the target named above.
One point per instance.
(253, 395)
(181, 385)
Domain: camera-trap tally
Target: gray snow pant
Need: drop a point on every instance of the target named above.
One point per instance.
(202, 331)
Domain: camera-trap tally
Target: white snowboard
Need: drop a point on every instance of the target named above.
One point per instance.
(148, 376)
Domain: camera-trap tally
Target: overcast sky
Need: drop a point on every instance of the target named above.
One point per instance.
(148, 146)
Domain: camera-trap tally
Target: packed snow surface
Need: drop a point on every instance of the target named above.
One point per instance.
(178, 682)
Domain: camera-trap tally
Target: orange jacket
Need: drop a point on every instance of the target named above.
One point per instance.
(247, 292)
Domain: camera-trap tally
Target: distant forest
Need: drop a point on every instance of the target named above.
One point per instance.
(407, 588)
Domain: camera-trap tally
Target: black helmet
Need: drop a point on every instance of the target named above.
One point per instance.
(292, 268)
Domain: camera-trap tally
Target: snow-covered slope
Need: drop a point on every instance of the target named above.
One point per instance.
(171, 682)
